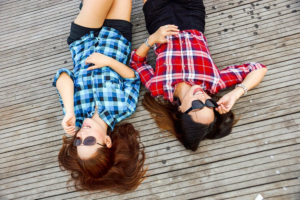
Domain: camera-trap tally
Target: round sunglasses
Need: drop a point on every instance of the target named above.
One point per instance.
(88, 141)
(197, 105)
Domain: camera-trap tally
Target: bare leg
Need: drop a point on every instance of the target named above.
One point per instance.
(145, 1)
(93, 13)
(120, 9)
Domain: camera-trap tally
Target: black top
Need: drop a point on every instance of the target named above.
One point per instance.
(186, 14)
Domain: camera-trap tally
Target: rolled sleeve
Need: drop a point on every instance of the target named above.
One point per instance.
(57, 75)
(140, 64)
(59, 72)
(237, 73)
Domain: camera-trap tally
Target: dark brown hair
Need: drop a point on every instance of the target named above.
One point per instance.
(117, 169)
(183, 127)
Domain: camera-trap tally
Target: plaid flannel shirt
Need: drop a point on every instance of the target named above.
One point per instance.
(186, 58)
(115, 97)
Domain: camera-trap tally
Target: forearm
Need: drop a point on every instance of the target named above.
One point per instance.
(251, 81)
(143, 50)
(123, 70)
(65, 86)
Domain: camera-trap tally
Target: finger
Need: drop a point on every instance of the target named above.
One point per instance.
(87, 61)
(220, 102)
(70, 132)
(172, 26)
(225, 109)
(90, 68)
(171, 33)
(172, 29)
(69, 128)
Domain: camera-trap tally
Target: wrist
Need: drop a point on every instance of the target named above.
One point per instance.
(69, 110)
(151, 40)
(238, 92)
(109, 61)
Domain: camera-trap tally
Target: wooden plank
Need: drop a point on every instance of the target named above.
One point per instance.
(156, 187)
(171, 158)
(289, 192)
(273, 131)
(175, 176)
(254, 190)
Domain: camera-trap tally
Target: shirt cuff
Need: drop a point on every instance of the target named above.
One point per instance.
(137, 77)
(255, 66)
(136, 58)
(59, 72)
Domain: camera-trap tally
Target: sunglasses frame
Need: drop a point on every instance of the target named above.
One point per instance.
(204, 104)
(82, 142)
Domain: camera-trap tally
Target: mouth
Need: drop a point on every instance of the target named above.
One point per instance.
(85, 126)
(198, 91)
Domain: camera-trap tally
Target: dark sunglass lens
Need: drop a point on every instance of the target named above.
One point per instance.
(197, 104)
(77, 141)
(89, 141)
(211, 103)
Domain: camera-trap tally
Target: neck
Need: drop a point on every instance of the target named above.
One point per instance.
(181, 90)
(100, 121)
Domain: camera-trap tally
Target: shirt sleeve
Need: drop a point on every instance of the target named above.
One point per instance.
(57, 75)
(235, 74)
(140, 64)
(131, 90)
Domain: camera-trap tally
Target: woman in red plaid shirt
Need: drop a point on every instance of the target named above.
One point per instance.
(186, 76)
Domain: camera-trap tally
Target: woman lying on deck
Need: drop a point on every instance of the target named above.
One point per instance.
(186, 75)
(100, 92)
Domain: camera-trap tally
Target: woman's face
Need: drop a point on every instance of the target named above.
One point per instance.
(205, 115)
(91, 128)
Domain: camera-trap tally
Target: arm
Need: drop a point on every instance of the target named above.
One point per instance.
(158, 37)
(65, 86)
(99, 60)
(63, 82)
(250, 75)
(251, 81)
(139, 59)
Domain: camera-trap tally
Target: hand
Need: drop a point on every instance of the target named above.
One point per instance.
(99, 60)
(68, 123)
(160, 35)
(227, 102)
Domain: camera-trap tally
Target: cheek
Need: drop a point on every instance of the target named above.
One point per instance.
(98, 134)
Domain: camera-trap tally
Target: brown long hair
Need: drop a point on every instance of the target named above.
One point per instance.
(117, 169)
(183, 127)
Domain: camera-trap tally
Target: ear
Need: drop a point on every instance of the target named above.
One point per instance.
(108, 142)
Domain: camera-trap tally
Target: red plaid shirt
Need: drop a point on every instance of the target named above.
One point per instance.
(186, 58)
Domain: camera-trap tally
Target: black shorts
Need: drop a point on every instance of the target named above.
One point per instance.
(123, 26)
(186, 14)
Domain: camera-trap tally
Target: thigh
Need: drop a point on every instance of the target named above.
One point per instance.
(120, 9)
(93, 13)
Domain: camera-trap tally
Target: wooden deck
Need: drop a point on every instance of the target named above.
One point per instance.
(261, 156)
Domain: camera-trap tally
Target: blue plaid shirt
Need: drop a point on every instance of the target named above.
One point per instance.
(115, 97)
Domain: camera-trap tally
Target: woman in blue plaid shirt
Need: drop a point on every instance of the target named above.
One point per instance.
(100, 92)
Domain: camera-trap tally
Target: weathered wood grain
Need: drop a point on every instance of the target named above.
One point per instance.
(264, 141)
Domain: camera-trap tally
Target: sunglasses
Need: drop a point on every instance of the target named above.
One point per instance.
(197, 105)
(88, 141)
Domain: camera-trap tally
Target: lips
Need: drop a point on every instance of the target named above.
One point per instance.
(85, 125)
(198, 91)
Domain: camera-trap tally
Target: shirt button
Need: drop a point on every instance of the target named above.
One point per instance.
(165, 63)
(183, 53)
(94, 92)
(183, 66)
(182, 41)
